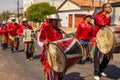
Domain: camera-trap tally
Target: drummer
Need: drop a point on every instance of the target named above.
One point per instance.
(102, 19)
(83, 34)
(28, 45)
(49, 33)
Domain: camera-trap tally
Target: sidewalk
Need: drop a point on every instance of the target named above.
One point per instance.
(68, 30)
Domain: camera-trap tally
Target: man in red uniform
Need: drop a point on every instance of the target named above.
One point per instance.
(4, 35)
(28, 45)
(49, 33)
(102, 19)
(83, 34)
(12, 33)
(44, 23)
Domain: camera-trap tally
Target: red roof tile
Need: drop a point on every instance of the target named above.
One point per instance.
(87, 3)
(113, 1)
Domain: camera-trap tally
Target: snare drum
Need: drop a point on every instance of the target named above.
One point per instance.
(64, 53)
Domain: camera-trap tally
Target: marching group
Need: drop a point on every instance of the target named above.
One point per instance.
(86, 35)
(49, 32)
(10, 33)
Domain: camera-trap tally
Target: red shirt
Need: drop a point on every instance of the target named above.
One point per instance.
(12, 28)
(20, 31)
(50, 33)
(84, 31)
(0, 30)
(100, 21)
(22, 27)
(3, 30)
(43, 24)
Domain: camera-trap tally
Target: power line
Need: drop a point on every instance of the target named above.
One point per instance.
(18, 10)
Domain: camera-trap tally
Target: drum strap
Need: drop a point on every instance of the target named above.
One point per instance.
(63, 32)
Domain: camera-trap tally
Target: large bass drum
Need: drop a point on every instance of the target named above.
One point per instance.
(105, 39)
(64, 53)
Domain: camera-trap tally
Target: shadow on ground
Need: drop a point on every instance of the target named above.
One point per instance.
(37, 56)
(73, 76)
(22, 50)
(113, 72)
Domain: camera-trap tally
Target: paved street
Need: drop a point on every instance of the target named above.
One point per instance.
(71, 15)
(16, 68)
(85, 71)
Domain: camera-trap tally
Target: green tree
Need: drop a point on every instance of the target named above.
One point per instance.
(5, 15)
(38, 12)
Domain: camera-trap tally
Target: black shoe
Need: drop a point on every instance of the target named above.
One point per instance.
(16, 48)
(12, 50)
(88, 60)
(6, 45)
(3, 48)
(81, 62)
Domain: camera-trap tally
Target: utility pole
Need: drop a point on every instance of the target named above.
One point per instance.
(99, 2)
(92, 4)
(18, 11)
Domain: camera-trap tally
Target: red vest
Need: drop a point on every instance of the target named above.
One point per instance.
(12, 28)
(84, 31)
(3, 30)
(100, 21)
(22, 27)
(50, 33)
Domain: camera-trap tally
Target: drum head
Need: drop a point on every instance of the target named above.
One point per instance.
(105, 40)
(56, 58)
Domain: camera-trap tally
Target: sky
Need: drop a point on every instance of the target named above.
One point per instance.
(10, 5)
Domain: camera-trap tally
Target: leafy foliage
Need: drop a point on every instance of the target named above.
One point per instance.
(5, 15)
(38, 12)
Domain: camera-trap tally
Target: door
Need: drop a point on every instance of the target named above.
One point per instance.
(70, 20)
(78, 19)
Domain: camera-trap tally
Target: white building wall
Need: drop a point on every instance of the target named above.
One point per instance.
(26, 4)
(69, 6)
(117, 15)
(65, 16)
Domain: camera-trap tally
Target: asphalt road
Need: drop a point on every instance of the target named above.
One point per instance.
(16, 63)
(33, 70)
